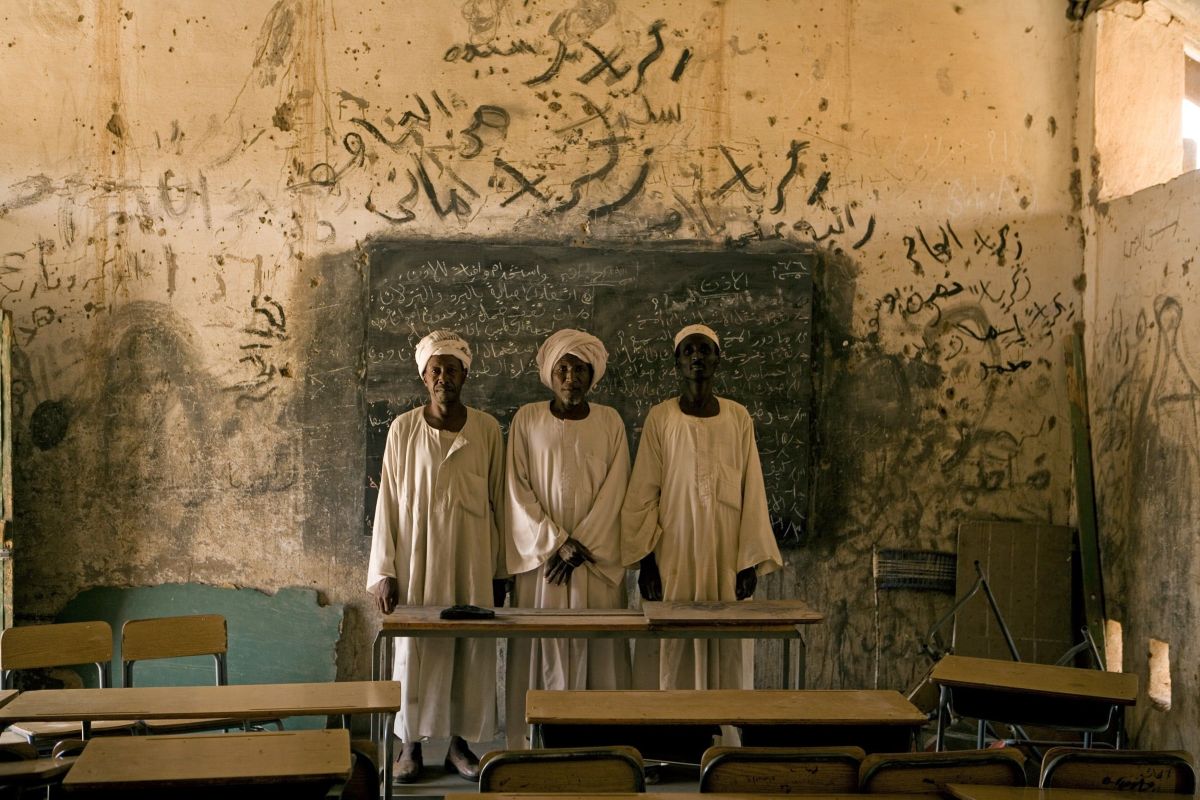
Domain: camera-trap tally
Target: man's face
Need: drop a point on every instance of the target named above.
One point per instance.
(570, 380)
(697, 357)
(444, 377)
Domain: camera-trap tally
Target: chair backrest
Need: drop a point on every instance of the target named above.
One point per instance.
(65, 644)
(573, 769)
(174, 637)
(1127, 770)
(927, 773)
(781, 770)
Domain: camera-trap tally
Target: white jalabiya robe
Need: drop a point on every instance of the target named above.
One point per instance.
(565, 478)
(437, 531)
(697, 500)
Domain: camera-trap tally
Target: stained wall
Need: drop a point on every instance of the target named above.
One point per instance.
(185, 192)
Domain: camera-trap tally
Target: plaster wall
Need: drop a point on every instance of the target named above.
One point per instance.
(1145, 396)
(184, 190)
(1138, 87)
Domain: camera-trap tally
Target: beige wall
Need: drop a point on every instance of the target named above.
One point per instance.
(1143, 391)
(1145, 396)
(182, 185)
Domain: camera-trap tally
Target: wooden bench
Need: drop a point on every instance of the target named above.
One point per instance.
(1020, 693)
(873, 719)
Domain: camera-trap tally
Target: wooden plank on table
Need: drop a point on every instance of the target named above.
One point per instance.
(730, 612)
(120, 762)
(981, 792)
(1036, 679)
(722, 707)
(245, 701)
(427, 619)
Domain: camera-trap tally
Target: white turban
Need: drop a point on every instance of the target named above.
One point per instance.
(442, 343)
(571, 342)
(703, 330)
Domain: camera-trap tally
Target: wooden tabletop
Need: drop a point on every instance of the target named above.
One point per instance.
(134, 762)
(7, 695)
(1041, 679)
(685, 617)
(244, 701)
(976, 792)
(790, 612)
(722, 707)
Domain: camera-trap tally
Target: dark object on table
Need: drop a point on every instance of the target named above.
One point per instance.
(464, 611)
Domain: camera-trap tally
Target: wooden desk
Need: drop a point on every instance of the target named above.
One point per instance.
(300, 763)
(878, 720)
(7, 695)
(974, 792)
(243, 701)
(1037, 694)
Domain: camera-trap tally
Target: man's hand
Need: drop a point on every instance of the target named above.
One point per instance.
(386, 594)
(571, 554)
(747, 582)
(649, 580)
(500, 587)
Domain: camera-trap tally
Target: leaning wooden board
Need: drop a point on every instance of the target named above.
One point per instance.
(717, 612)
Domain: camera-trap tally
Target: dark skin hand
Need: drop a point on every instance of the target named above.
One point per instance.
(649, 579)
(571, 554)
(386, 594)
(500, 588)
(747, 582)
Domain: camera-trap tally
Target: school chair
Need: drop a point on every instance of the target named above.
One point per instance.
(583, 769)
(1168, 771)
(781, 770)
(180, 637)
(65, 644)
(928, 773)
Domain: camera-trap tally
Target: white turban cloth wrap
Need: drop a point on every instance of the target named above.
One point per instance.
(442, 343)
(703, 330)
(569, 341)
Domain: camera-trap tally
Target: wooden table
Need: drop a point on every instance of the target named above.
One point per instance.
(7, 695)
(975, 792)
(243, 702)
(298, 763)
(758, 619)
(1037, 694)
(877, 719)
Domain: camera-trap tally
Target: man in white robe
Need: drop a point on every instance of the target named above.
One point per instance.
(567, 467)
(695, 514)
(437, 542)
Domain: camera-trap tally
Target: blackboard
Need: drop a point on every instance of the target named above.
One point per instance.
(506, 299)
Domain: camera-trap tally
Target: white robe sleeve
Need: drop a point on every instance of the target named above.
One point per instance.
(604, 518)
(640, 526)
(387, 512)
(756, 541)
(532, 535)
